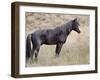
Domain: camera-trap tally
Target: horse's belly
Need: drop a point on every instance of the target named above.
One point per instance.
(51, 41)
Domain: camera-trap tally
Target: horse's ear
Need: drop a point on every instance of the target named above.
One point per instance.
(75, 20)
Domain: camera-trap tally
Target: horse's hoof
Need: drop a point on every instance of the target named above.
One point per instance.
(57, 55)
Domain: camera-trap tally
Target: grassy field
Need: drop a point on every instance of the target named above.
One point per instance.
(76, 49)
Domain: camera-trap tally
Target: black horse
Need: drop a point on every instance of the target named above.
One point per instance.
(55, 36)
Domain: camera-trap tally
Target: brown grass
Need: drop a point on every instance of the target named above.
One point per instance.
(76, 49)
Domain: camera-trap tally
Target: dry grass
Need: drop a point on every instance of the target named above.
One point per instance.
(76, 49)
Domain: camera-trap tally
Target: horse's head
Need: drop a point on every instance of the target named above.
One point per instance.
(75, 25)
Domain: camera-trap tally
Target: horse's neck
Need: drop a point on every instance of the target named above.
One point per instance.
(68, 28)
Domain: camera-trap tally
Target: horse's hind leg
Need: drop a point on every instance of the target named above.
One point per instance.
(36, 53)
(32, 53)
(58, 48)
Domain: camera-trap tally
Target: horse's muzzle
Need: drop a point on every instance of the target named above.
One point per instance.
(78, 31)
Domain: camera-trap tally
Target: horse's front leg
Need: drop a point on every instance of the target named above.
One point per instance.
(58, 48)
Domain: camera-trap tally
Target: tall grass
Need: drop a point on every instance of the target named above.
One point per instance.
(76, 49)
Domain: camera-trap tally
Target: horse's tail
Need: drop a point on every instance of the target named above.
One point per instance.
(28, 46)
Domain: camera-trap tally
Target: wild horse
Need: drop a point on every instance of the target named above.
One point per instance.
(56, 36)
